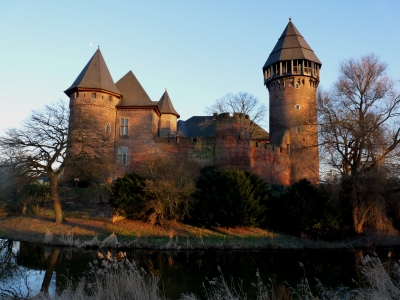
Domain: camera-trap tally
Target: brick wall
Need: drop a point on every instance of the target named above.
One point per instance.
(92, 131)
(167, 125)
(232, 141)
(271, 163)
(294, 109)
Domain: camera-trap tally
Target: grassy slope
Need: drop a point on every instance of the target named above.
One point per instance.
(170, 235)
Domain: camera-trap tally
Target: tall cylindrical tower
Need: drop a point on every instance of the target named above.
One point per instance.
(291, 75)
(93, 99)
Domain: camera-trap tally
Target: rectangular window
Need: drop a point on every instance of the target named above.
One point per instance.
(93, 95)
(123, 130)
(122, 155)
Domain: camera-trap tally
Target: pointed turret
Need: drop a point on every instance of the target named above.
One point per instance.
(291, 75)
(94, 76)
(291, 56)
(166, 106)
(169, 116)
(133, 94)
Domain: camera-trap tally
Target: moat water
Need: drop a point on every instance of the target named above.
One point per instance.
(182, 272)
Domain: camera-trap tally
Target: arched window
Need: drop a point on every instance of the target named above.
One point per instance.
(108, 127)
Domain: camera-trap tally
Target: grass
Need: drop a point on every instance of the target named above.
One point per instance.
(85, 231)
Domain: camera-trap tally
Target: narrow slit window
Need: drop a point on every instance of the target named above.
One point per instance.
(108, 127)
(297, 106)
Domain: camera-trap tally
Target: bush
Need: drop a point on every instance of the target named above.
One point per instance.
(169, 187)
(164, 193)
(229, 198)
(305, 209)
(127, 196)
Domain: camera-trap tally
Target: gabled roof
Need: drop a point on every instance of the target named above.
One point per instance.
(198, 126)
(166, 106)
(95, 75)
(291, 45)
(132, 92)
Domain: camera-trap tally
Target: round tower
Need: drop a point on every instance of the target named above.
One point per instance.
(93, 99)
(291, 75)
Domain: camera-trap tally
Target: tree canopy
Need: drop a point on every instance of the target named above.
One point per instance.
(241, 102)
(359, 118)
(38, 148)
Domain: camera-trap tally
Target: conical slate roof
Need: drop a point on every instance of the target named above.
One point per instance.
(291, 45)
(166, 106)
(95, 75)
(132, 92)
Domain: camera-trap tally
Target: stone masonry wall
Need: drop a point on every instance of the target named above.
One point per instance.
(92, 130)
(232, 141)
(294, 109)
(167, 125)
(271, 163)
(140, 139)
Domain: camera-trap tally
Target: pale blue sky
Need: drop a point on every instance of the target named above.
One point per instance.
(198, 50)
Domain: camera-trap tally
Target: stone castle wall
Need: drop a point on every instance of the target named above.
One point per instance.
(92, 134)
(271, 163)
(230, 148)
(167, 125)
(232, 141)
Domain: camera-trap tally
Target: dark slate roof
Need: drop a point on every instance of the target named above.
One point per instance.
(132, 92)
(95, 75)
(291, 45)
(166, 106)
(198, 126)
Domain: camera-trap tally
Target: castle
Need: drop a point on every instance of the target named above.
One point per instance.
(141, 128)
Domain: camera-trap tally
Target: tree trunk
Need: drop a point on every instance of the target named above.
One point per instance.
(50, 269)
(58, 214)
(359, 217)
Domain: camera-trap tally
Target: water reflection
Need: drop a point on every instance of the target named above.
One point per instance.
(181, 272)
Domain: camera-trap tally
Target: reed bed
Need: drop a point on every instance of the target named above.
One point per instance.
(117, 278)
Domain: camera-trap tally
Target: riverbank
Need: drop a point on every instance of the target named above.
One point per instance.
(81, 232)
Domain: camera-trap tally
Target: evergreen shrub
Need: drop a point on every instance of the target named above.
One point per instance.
(229, 198)
(304, 209)
(127, 196)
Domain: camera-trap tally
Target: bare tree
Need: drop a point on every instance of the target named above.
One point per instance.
(360, 133)
(360, 128)
(39, 147)
(241, 103)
